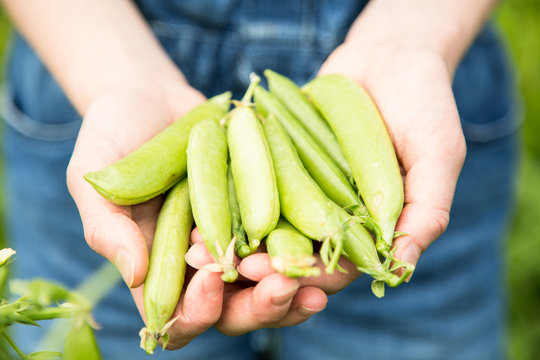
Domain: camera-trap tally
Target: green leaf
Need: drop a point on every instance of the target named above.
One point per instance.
(94, 289)
(80, 343)
(377, 287)
(45, 355)
(40, 291)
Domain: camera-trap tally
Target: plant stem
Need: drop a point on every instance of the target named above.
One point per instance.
(13, 345)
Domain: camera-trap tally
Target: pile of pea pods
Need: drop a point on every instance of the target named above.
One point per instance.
(284, 168)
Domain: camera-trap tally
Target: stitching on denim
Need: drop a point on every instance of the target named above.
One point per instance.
(503, 126)
(31, 128)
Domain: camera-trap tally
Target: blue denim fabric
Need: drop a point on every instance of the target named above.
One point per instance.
(454, 306)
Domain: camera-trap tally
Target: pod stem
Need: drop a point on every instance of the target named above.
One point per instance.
(224, 262)
(241, 248)
(254, 81)
(253, 244)
(150, 338)
(369, 223)
(357, 209)
(227, 263)
(331, 250)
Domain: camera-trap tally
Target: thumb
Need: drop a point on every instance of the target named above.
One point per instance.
(110, 231)
(115, 236)
(429, 191)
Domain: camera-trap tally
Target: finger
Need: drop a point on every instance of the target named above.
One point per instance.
(307, 302)
(256, 307)
(255, 267)
(200, 307)
(332, 283)
(196, 237)
(110, 231)
(429, 191)
(198, 256)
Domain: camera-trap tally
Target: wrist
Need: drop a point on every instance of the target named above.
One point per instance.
(444, 28)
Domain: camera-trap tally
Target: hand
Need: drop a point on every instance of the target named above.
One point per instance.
(115, 124)
(265, 299)
(412, 89)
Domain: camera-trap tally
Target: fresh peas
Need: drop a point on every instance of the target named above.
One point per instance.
(362, 134)
(303, 203)
(159, 163)
(167, 268)
(253, 171)
(291, 252)
(241, 247)
(208, 192)
(309, 210)
(319, 165)
(80, 343)
(297, 103)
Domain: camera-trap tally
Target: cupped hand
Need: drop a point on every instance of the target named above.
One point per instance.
(412, 89)
(116, 124)
(264, 298)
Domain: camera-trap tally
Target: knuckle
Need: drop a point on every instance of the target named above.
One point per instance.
(441, 218)
(92, 233)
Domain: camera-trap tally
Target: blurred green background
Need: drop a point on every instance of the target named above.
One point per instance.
(520, 23)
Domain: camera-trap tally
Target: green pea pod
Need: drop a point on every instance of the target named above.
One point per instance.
(319, 165)
(297, 103)
(159, 163)
(253, 174)
(309, 210)
(241, 247)
(362, 134)
(167, 268)
(81, 344)
(291, 252)
(208, 192)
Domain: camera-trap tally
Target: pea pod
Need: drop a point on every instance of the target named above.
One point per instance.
(297, 103)
(241, 247)
(253, 171)
(362, 134)
(159, 163)
(167, 268)
(291, 252)
(309, 210)
(81, 344)
(208, 192)
(319, 165)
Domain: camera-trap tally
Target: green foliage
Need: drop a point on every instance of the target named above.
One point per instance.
(39, 300)
(4, 29)
(519, 22)
(524, 272)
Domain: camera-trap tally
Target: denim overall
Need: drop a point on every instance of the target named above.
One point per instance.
(454, 307)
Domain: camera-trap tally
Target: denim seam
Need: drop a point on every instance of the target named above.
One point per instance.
(31, 128)
(503, 126)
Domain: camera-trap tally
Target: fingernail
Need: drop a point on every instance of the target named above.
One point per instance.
(211, 287)
(411, 255)
(305, 311)
(282, 298)
(124, 263)
(188, 258)
(245, 274)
